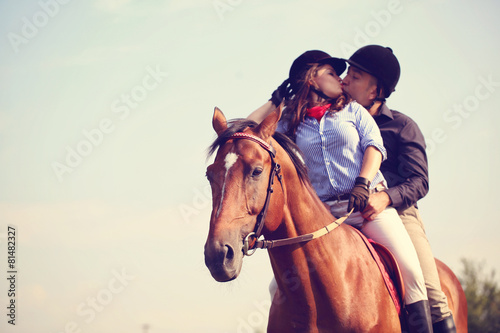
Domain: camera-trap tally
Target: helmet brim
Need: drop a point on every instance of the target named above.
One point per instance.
(357, 65)
(339, 65)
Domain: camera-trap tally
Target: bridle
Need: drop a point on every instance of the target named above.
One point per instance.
(252, 241)
(252, 237)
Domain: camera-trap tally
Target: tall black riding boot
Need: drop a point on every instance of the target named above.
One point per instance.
(447, 325)
(419, 317)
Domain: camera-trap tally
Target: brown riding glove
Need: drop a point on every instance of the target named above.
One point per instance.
(359, 195)
(283, 92)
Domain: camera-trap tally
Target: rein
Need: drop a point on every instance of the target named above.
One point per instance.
(252, 242)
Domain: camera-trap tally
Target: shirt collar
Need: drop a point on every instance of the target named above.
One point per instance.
(385, 111)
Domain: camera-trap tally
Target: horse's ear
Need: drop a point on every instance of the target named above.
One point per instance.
(269, 124)
(219, 122)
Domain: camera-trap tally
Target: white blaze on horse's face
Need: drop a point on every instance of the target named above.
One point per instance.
(230, 159)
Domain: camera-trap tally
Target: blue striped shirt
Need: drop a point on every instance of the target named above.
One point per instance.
(333, 149)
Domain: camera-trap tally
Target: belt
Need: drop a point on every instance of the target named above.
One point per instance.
(339, 197)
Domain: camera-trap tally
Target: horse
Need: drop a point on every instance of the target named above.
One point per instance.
(327, 280)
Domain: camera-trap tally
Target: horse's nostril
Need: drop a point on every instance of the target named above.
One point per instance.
(229, 253)
(222, 260)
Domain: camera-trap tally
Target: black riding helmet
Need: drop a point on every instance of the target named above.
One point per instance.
(380, 62)
(308, 58)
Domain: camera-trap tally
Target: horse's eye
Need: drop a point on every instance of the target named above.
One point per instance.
(256, 172)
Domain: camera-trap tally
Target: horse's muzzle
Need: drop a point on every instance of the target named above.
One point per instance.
(222, 261)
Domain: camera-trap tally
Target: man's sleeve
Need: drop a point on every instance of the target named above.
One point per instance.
(412, 168)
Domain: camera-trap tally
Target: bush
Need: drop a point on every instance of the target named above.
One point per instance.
(483, 298)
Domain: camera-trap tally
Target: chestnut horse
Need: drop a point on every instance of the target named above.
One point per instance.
(327, 280)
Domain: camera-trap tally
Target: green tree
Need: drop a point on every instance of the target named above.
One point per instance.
(483, 297)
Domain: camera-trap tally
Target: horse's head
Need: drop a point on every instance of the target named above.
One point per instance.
(239, 177)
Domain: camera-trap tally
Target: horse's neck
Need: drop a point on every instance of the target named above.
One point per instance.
(306, 212)
(318, 280)
(297, 267)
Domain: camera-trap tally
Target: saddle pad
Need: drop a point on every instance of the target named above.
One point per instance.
(389, 268)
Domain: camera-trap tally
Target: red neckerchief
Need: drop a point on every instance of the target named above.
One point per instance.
(318, 111)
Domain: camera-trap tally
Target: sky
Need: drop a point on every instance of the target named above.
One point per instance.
(105, 119)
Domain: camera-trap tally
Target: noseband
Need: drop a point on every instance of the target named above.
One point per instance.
(251, 241)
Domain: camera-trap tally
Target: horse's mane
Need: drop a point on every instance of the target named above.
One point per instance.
(293, 151)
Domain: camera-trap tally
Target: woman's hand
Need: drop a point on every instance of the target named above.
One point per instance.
(281, 93)
(358, 198)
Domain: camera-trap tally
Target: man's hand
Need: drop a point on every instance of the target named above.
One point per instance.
(377, 203)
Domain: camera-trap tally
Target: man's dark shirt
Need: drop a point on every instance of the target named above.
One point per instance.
(406, 168)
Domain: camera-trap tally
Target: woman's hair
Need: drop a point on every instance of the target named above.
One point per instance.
(296, 107)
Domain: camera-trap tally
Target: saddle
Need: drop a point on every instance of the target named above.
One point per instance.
(389, 268)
